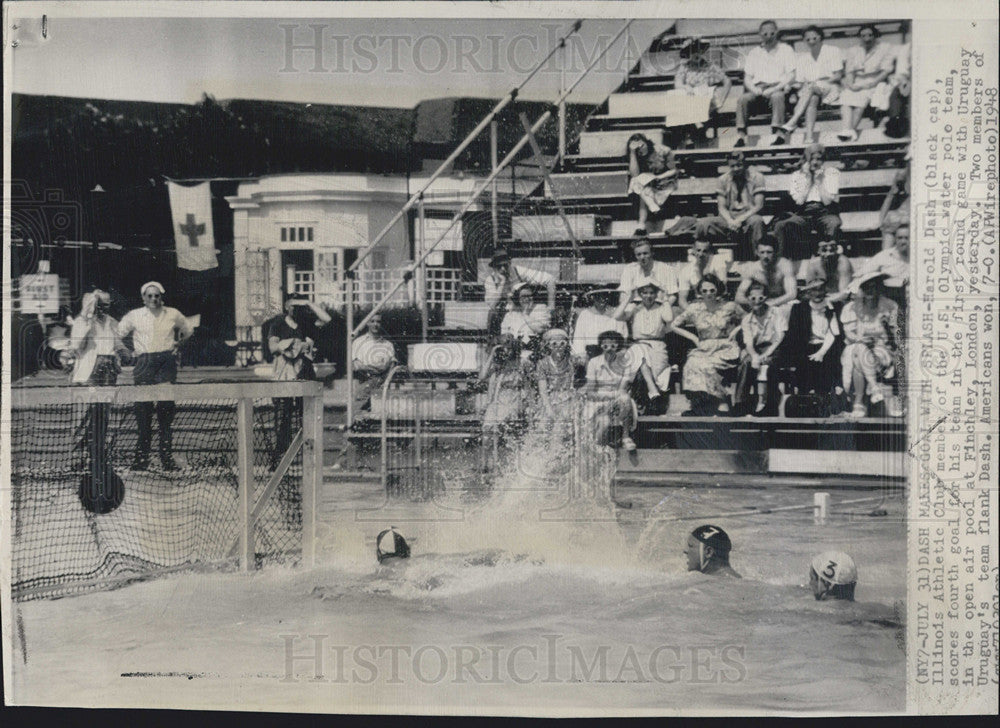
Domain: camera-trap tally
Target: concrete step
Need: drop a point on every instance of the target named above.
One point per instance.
(545, 227)
(612, 143)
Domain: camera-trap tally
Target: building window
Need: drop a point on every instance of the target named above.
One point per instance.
(296, 234)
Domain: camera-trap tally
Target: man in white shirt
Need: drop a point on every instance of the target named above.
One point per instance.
(815, 189)
(637, 274)
(499, 285)
(767, 75)
(590, 323)
(157, 331)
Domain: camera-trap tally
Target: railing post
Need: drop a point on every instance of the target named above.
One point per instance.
(349, 296)
(562, 101)
(244, 460)
(493, 187)
(422, 270)
(312, 471)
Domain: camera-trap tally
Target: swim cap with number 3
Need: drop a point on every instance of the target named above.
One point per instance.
(836, 567)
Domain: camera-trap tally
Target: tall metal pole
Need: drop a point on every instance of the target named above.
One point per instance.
(349, 305)
(562, 101)
(493, 186)
(422, 272)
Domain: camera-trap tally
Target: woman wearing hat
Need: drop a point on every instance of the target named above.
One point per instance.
(554, 376)
(715, 322)
(870, 323)
(699, 76)
(650, 323)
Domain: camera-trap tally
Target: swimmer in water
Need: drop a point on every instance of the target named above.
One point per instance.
(389, 544)
(833, 575)
(708, 550)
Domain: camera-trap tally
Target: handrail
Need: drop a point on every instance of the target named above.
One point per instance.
(415, 197)
(485, 184)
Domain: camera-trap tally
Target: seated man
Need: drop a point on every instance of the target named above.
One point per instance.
(643, 270)
(590, 322)
(499, 287)
(708, 550)
(815, 189)
(776, 274)
(739, 200)
(763, 330)
(373, 356)
(702, 260)
(833, 269)
(833, 575)
(767, 76)
(813, 341)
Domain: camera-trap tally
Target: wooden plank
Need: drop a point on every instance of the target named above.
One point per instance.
(26, 397)
(551, 227)
(444, 357)
(830, 462)
(612, 143)
(695, 461)
(466, 314)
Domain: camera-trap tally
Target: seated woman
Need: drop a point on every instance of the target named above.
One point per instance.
(813, 342)
(699, 76)
(818, 72)
(763, 329)
(649, 321)
(652, 172)
(503, 415)
(867, 68)
(609, 376)
(715, 352)
(528, 319)
(870, 323)
(554, 376)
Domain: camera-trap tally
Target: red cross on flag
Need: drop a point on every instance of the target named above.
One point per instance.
(191, 210)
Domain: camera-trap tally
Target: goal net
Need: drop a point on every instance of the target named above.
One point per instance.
(90, 508)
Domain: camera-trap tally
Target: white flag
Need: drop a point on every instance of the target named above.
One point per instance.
(191, 210)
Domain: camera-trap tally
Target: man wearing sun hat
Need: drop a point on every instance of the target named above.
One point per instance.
(157, 331)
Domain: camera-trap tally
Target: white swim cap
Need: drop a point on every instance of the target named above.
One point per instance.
(835, 567)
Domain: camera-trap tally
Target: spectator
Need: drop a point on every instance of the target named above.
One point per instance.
(869, 322)
(529, 318)
(702, 260)
(763, 328)
(815, 189)
(157, 332)
(715, 321)
(95, 342)
(292, 346)
(499, 286)
(698, 76)
(894, 263)
(739, 200)
(895, 208)
(645, 269)
(776, 274)
(649, 321)
(897, 123)
(609, 376)
(503, 416)
(590, 323)
(868, 68)
(833, 268)
(372, 355)
(767, 77)
(652, 172)
(818, 73)
(554, 379)
(813, 342)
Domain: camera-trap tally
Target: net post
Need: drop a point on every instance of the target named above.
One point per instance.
(312, 471)
(244, 458)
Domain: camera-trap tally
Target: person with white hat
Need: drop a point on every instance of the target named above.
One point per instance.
(833, 575)
(157, 332)
(870, 324)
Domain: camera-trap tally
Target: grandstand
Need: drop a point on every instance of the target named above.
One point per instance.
(586, 192)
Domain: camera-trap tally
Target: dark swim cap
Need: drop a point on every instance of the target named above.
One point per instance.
(391, 543)
(713, 536)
